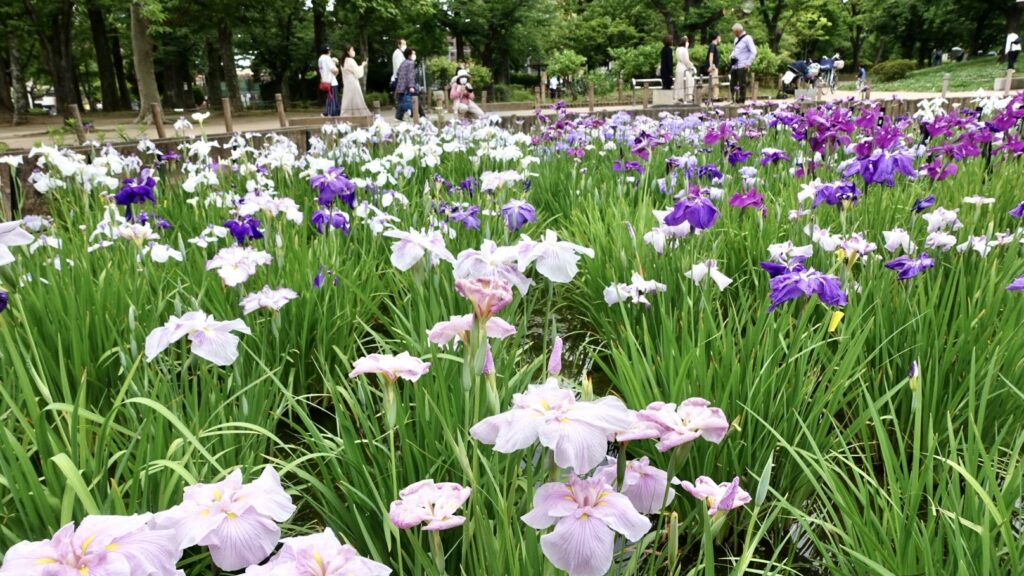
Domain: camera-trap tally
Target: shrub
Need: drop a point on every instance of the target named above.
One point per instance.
(482, 77)
(440, 70)
(566, 63)
(891, 70)
(524, 79)
(635, 62)
(767, 63)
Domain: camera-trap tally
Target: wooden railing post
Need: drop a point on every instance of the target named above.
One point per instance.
(544, 86)
(590, 96)
(281, 118)
(415, 108)
(618, 88)
(1008, 82)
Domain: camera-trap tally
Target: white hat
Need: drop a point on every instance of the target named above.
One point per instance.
(462, 72)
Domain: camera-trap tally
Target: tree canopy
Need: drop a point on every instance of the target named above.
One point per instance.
(180, 53)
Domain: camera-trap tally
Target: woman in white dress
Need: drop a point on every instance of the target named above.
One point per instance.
(685, 71)
(352, 102)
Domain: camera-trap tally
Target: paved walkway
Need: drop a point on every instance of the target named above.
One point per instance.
(116, 126)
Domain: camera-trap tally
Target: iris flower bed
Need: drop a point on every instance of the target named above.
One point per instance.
(786, 342)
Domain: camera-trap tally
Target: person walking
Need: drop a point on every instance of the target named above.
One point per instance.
(405, 84)
(328, 69)
(665, 70)
(553, 84)
(352, 101)
(713, 64)
(743, 53)
(685, 71)
(462, 96)
(397, 57)
(1012, 50)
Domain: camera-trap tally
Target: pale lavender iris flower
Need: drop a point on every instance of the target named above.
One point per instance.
(391, 367)
(674, 425)
(555, 259)
(646, 487)
(237, 521)
(431, 504)
(318, 555)
(586, 514)
(209, 339)
(718, 497)
(576, 431)
(101, 545)
(413, 245)
(492, 261)
(456, 329)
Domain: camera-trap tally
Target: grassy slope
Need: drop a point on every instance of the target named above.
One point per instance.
(964, 76)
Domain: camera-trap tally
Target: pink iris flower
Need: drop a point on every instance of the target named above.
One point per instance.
(586, 513)
(391, 367)
(576, 431)
(318, 555)
(457, 328)
(116, 545)
(238, 522)
(488, 295)
(431, 503)
(644, 485)
(718, 497)
(674, 426)
(555, 361)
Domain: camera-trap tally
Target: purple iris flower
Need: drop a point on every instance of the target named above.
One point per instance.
(517, 213)
(628, 166)
(1017, 285)
(469, 217)
(318, 280)
(738, 155)
(244, 228)
(837, 194)
(469, 185)
(710, 172)
(774, 269)
(438, 179)
(136, 190)
(772, 155)
(938, 172)
(146, 217)
(750, 199)
(526, 185)
(5, 298)
(336, 219)
(909, 267)
(700, 212)
(806, 282)
(333, 185)
(1018, 212)
(925, 203)
(881, 167)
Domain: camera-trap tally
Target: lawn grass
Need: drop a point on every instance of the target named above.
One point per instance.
(968, 76)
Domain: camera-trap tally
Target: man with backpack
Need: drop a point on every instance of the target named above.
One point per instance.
(743, 53)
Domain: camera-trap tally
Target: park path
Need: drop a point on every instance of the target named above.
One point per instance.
(112, 126)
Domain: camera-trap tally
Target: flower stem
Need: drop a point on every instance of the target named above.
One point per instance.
(437, 551)
(708, 545)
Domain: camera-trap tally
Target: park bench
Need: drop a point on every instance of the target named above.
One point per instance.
(639, 83)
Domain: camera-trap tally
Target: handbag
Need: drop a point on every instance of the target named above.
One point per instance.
(325, 86)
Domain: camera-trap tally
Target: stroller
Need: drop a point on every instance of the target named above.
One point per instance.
(830, 68)
(801, 71)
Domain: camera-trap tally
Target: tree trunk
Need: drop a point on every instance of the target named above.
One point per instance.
(213, 76)
(5, 82)
(460, 48)
(1013, 17)
(364, 50)
(104, 62)
(124, 96)
(319, 27)
(145, 70)
(55, 42)
(670, 26)
(19, 95)
(227, 60)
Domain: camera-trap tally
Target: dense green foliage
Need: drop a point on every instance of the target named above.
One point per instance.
(893, 70)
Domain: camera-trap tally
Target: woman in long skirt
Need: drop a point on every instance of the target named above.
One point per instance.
(685, 71)
(352, 102)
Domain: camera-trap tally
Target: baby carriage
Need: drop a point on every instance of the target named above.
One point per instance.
(801, 71)
(830, 68)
